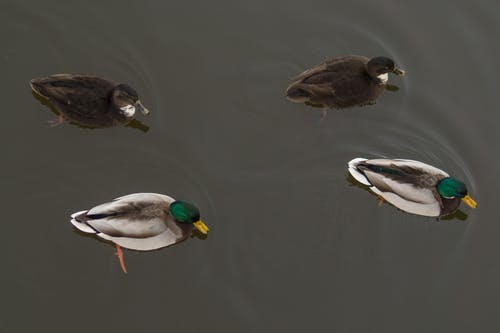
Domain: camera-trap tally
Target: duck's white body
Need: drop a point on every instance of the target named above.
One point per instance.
(138, 221)
(409, 185)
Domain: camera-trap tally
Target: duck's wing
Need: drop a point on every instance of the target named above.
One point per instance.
(339, 82)
(302, 92)
(135, 215)
(137, 221)
(78, 93)
(407, 184)
(59, 87)
(133, 204)
(323, 72)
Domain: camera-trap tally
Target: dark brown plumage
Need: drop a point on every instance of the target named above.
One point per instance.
(89, 100)
(342, 82)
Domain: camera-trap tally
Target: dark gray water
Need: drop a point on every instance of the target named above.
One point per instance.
(293, 245)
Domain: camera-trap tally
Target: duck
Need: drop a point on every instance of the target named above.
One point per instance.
(343, 82)
(88, 100)
(141, 221)
(412, 186)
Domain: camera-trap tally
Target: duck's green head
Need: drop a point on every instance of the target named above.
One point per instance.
(450, 188)
(184, 212)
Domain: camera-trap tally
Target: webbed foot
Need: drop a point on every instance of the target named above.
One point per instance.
(56, 122)
(119, 253)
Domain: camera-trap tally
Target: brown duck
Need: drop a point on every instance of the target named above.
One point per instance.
(89, 101)
(343, 82)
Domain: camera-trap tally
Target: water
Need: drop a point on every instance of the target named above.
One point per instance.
(293, 246)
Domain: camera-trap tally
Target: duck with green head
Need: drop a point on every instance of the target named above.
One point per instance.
(411, 186)
(141, 221)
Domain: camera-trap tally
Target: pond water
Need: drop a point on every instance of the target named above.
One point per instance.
(293, 246)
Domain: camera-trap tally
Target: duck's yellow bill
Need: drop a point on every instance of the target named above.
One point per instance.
(469, 201)
(202, 227)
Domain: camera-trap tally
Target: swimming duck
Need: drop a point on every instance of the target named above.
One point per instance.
(88, 100)
(141, 221)
(411, 186)
(343, 82)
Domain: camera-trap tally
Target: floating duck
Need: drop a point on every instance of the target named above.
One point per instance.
(343, 82)
(141, 221)
(411, 186)
(89, 101)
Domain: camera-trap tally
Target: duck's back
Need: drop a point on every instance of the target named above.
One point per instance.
(339, 82)
(83, 99)
(342, 67)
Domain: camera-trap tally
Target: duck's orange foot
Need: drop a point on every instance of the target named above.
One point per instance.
(57, 122)
(119, 253)
(380, 201)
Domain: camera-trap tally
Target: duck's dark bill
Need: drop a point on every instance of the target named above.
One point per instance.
(142, 108)
(398, 71)
(202, 227)
(469, 201)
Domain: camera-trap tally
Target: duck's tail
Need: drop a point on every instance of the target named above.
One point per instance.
(352, 167)
(39, 86)
(78, 220)
(35, 85)
(298, 93)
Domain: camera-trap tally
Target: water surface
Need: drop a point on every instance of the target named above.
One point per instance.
(293, 246)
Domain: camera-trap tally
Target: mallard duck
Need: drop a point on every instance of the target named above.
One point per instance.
(411, 186)
(89, 101)
(343, 82)
(141, 221)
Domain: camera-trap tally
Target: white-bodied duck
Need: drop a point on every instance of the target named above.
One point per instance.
(411, 186)
(141, 221)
